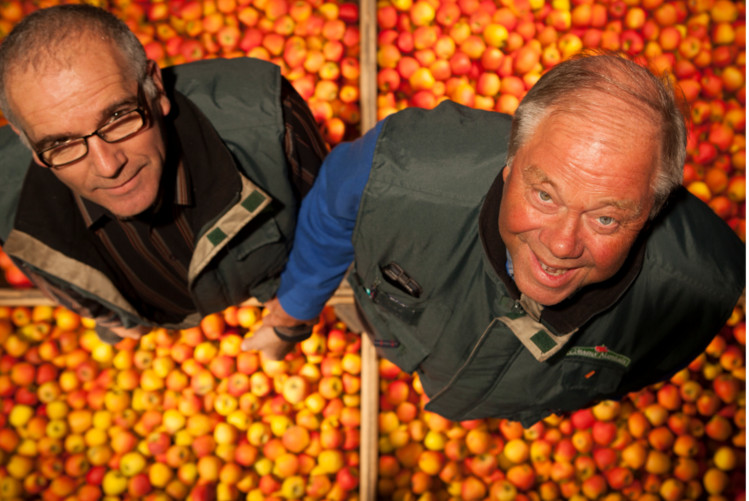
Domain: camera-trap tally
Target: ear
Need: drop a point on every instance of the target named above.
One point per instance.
(39, 162)
(506, 172)
(154, 72)
(21, 135)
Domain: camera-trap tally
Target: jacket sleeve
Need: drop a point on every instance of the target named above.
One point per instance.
(322, 242)
(693, 277)
(68, 298)
(16, 160)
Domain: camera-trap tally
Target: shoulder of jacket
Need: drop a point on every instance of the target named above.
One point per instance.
(234, 94)
(227, 84)
(15, 155)
(691, 244)
(211, 69)
(449, 112)
(451, 151)
(15, 162)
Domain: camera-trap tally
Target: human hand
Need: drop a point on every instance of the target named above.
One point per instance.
(268, 344)
(276, 316)
(267, 340)
(133, 333)
(113, 334)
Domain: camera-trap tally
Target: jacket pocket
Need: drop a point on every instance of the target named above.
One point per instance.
(247, 266)
(260, 254)
(475, 388)
(405, 329)
(500, 378)
(582, 383)
(261, 232)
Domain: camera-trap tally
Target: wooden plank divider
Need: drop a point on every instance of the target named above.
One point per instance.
(370, 384)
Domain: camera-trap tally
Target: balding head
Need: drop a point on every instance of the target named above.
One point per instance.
(597, 87)
(50, 39)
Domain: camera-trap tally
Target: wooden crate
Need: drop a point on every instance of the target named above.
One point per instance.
(369, 378)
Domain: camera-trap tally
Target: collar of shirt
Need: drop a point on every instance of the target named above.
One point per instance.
(576, 310)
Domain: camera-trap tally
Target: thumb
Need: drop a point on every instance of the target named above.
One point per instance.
(259, 339)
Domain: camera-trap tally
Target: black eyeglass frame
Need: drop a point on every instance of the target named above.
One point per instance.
(144, 116)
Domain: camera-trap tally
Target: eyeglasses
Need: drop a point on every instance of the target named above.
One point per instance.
(121, 126)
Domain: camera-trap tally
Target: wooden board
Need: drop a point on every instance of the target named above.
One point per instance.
(370, 385)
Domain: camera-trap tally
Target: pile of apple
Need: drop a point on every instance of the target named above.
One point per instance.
(187, 414)
(680, 439)
(314, 42)
(486, 54)
(179, 415)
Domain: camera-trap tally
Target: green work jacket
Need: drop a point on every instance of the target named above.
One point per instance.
(238, 255)
(438, 306)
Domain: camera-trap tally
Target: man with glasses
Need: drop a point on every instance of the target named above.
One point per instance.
(141, 197)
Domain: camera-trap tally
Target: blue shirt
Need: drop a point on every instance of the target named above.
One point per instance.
(323, 249)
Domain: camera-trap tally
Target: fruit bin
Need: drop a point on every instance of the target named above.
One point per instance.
(682, 439)
(317, 46)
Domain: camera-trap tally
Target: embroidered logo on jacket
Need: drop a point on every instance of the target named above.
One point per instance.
(599, 353)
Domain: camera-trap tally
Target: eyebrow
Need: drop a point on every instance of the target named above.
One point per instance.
(105, 116)
(532, 174)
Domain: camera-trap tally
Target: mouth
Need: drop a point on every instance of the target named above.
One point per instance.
(123, 186)
(555, 272)
(552, 276)
(546, 281)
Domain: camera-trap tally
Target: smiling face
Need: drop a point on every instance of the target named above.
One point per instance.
(574, 201)
(122, 177)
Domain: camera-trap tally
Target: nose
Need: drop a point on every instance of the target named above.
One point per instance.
(107, 159)
(562, 237)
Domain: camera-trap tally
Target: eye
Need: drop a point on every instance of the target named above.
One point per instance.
(544, 196)
(606, 220)
(117, 115)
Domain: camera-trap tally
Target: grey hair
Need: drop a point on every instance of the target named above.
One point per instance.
(565, 87)
(40, 39)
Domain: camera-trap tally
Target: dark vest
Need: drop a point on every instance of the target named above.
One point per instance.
(475, 349)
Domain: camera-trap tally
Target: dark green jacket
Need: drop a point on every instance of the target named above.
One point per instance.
(237, 256)
(476, 344)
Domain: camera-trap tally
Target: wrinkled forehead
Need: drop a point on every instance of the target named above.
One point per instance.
(606, 141)
(60, 55)
(51, 98)
(605, 109)
(88, 53)
(618, 123)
